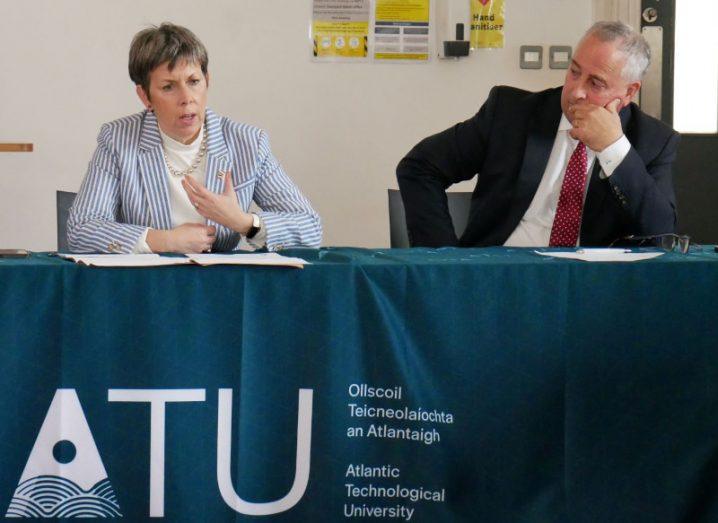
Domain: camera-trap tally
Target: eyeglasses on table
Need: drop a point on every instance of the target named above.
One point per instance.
(668, 242)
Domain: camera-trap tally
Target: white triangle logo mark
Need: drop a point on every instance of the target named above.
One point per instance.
(64, 475)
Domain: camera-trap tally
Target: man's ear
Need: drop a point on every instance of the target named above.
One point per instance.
(206, 78)
(143, 96)
(631, 92)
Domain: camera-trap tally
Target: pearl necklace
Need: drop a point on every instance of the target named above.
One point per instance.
(200, 154)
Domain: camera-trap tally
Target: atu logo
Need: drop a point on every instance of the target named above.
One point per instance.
(64, 477)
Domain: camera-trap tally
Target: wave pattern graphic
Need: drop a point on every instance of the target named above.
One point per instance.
(56, 497)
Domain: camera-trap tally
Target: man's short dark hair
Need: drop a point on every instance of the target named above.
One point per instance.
(170, 43)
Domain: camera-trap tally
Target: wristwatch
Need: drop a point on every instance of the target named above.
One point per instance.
(256, 226)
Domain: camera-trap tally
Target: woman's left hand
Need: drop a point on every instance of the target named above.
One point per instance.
(220, 208)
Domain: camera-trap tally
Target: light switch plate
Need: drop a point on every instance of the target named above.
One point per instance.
(531, 57)
(559, 56)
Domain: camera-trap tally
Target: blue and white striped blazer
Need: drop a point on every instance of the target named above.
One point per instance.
(125, 189)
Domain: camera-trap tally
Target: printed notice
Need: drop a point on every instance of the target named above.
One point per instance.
(401, 30)
(487, 23)
(386, 490)
(340, 29)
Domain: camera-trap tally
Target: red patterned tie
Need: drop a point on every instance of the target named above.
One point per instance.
(567, 221)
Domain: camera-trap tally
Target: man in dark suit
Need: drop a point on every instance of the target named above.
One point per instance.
(578, 165)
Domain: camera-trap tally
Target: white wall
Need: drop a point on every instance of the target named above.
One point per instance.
(338, 129)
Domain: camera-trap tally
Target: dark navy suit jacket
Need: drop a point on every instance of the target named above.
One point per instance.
(508, 143)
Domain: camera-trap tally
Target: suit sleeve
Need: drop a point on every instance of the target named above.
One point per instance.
(289, 219)
(92, 225)
(645, 191)
(434, 164)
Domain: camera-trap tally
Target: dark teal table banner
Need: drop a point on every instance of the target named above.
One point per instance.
(477, 385)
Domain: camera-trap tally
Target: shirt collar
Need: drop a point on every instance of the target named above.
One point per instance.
(564, 124)
(174, 145)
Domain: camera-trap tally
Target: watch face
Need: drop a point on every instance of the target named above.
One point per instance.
(256, 225)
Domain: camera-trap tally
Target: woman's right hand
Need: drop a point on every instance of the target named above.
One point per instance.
(186, 238)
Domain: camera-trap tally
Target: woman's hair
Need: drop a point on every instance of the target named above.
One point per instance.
(170, 43)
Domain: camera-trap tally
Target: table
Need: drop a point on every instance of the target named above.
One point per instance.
(489, 385)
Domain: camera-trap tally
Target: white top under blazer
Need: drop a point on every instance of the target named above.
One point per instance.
(125, 190)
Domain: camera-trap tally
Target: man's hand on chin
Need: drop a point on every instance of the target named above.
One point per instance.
(596, 126)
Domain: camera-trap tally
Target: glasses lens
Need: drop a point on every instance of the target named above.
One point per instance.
(684, 243)
(667, 242)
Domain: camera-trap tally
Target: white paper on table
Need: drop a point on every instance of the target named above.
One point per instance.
(125, 260)
(603, 255)
(259, 258)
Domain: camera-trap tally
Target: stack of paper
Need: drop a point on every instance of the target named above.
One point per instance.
(261, 258)
(125, 260)
(155, 260)
(602, 255)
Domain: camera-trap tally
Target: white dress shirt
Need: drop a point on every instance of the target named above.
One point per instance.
(534, 229)
(181, 157)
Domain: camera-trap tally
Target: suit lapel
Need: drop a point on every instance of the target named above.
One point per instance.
(153, 173)
(217, 154)
(595, 196)
(217, 164)
(539, 142)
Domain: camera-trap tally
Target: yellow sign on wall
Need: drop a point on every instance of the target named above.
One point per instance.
(402, 10)
(401, 30)
(487, 23)
(340, 39)
(340, 29)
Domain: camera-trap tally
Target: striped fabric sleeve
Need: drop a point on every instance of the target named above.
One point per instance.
(288, 216)
(92, 225)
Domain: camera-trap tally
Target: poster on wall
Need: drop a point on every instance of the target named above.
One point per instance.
(340, 29)
(487, 24)
(401, 30)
